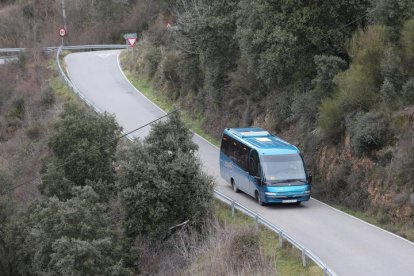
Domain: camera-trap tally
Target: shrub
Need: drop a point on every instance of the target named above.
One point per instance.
(392, 67)
(48, 98)
(65, 237)
(167, 78)
(387, 91)
(391, 12)
(161, 182)
(18, 109)
(34, 131)
(153, 59)
(327, 68)
(281, 110)
(244, 246)
(331, 115)
(407, 38)
(369, 131)
(85, 144)
(408, 91)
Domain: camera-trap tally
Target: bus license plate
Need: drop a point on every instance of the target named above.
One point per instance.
(289, 200)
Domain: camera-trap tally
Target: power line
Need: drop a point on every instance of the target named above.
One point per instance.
(73, 159)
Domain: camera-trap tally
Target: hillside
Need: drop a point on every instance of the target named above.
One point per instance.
(76, 199)
(338, 84)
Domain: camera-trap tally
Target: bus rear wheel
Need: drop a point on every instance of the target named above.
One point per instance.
(258, 199)
(233, 185)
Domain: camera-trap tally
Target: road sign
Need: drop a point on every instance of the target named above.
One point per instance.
(131, 35)
(132, 41)
(62, 32)
(131, 38)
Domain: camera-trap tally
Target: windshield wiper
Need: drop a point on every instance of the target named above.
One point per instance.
(293, 180)
(289, 181)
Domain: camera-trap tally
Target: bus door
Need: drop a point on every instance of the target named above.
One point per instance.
(255, 172)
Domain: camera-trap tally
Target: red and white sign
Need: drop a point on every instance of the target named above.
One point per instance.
(62, 32)
(132, 41)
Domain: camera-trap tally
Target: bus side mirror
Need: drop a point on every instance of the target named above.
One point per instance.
(310, 179)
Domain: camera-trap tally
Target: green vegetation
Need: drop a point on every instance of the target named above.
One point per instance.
(144, 86)
(161, 182)
(338, 84)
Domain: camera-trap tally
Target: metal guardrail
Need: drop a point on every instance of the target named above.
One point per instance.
(69, 47)
(306, 253)
(283, 236)
(11, 50)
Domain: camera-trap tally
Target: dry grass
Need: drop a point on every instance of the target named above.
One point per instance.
(228, 250)
(222, 249)
(25, 120)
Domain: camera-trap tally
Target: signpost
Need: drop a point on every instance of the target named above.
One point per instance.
(131, 38)
(62, 33)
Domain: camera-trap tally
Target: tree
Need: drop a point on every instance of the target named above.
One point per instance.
(161, 182)
(70, 237)
(206, 29)
(280, 38)
(392, 12)
(327, 67)
(84, 145)
(6, 211)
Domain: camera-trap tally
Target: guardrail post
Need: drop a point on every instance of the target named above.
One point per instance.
(281, 239)
(256, 223)
(232, 208)
(304, 257)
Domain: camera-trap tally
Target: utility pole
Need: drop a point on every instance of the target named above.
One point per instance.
(64, 20)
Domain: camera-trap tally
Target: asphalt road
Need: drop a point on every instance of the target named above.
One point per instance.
(346, 244)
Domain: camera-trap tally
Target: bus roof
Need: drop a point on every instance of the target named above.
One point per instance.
(261, 140)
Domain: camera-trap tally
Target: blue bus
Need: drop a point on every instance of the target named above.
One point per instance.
(263, 166)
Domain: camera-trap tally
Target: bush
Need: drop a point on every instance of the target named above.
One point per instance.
(391, 12)
(153, 59)
(408, 91)
(392, 67)
(162, 183)
(327, 68)
(167, 78)
(331, 115)
(18, 109)
(388, 93)
(369, 131)
(281, 110)
(407, 38)
(48, 98)
(84, 143)
(244, 246)
(34, 131)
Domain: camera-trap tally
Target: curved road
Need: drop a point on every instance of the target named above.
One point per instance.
(346, 244)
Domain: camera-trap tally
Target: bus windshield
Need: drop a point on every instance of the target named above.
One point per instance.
(283, 168)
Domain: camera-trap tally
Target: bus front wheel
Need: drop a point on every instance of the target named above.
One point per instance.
(258, 199)
(233, 185)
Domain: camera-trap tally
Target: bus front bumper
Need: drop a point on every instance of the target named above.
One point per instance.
(287, 198)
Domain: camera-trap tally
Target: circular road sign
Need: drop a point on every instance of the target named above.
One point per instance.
(62, 32)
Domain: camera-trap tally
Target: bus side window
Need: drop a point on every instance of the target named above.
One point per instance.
(244, 157)
(254, 161)
(234, 152)
(225, 145)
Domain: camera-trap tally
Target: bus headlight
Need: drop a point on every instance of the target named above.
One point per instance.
(270, 194)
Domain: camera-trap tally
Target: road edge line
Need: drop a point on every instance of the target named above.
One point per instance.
(354, 217)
